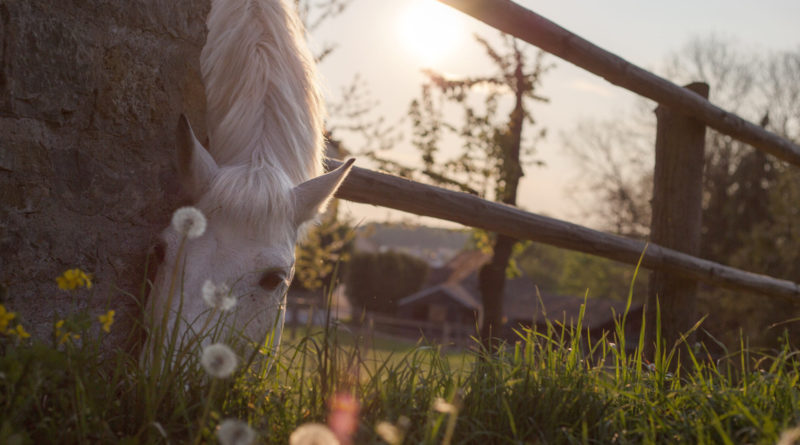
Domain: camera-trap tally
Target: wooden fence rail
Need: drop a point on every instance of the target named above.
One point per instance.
(526, 25)
(370, 187)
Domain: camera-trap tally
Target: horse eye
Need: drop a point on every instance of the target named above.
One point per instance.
(271, 280)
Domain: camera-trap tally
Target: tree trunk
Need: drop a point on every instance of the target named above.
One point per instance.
(492, 281)
(492, 277)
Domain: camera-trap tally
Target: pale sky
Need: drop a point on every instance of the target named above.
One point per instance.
(388, 42)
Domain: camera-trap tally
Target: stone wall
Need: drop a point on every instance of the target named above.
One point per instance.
(90, 92)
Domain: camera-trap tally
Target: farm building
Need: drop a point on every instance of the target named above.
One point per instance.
(451, 302)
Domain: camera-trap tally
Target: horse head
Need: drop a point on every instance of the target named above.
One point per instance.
(238, 268)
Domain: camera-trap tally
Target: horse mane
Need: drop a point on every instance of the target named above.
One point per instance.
(264, 106)
(264, 112)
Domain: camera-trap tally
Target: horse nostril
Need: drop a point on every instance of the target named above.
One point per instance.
(157, 252)
(155, 257)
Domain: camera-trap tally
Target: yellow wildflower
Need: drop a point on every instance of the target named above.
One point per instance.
(64, 336)
(74, 278)
(107, 320)
(5, 318)
(60, 338)
(19, 331)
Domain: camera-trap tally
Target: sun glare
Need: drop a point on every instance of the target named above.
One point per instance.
(430, 30)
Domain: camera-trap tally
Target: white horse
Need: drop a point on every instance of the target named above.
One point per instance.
(259, 180)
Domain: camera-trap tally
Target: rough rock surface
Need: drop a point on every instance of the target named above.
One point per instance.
(90, 92)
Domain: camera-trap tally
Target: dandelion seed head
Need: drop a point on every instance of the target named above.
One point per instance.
(189, 221)
(218, 296)
(218, 360)
(403, 422)
(388, 432)
(235, 432)
(313, 434)
(789, 437)
(440, 405)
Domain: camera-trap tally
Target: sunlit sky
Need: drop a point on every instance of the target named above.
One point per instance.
(389, 42)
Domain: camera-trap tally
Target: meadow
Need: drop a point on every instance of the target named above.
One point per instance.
(555, 386)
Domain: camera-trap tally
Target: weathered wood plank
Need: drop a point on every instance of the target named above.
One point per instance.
(369, 187)
(526, 25)
(677, 218)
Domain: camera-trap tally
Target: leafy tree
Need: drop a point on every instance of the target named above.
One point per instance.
(323, 251)
(566, 272)
(494, 149)
(377, 281)
(615, 161)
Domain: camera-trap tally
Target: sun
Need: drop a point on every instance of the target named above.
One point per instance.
(430, 30)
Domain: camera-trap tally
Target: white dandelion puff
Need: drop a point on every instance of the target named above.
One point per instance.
(235, 432)
(440, 405)
(789, 437)
(388, 432)
(218, 296)
(189, 221)
(218, 360)
(313, 434)
(404, 423)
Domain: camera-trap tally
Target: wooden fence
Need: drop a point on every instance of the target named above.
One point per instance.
(683, 112)
(301, 313)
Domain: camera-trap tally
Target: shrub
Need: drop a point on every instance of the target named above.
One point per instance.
(377, 281)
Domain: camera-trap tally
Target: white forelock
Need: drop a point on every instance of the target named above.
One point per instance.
(263, 100)
(256, 201)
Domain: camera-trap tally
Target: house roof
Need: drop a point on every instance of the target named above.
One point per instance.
(522, 301)
(451, 290)
(461, 266)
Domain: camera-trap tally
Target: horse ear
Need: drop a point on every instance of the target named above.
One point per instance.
(311, 197)
(196, 167)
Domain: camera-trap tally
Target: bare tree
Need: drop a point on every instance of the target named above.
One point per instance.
(615, 160)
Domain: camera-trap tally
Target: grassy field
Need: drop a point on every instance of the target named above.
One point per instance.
(552, 387)
(547, 387)
(375, 350)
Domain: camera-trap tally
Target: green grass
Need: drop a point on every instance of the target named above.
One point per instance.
(376, 350)
(543, 388)
(555, 386)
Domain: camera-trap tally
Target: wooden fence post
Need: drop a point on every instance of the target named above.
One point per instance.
(677, 218)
